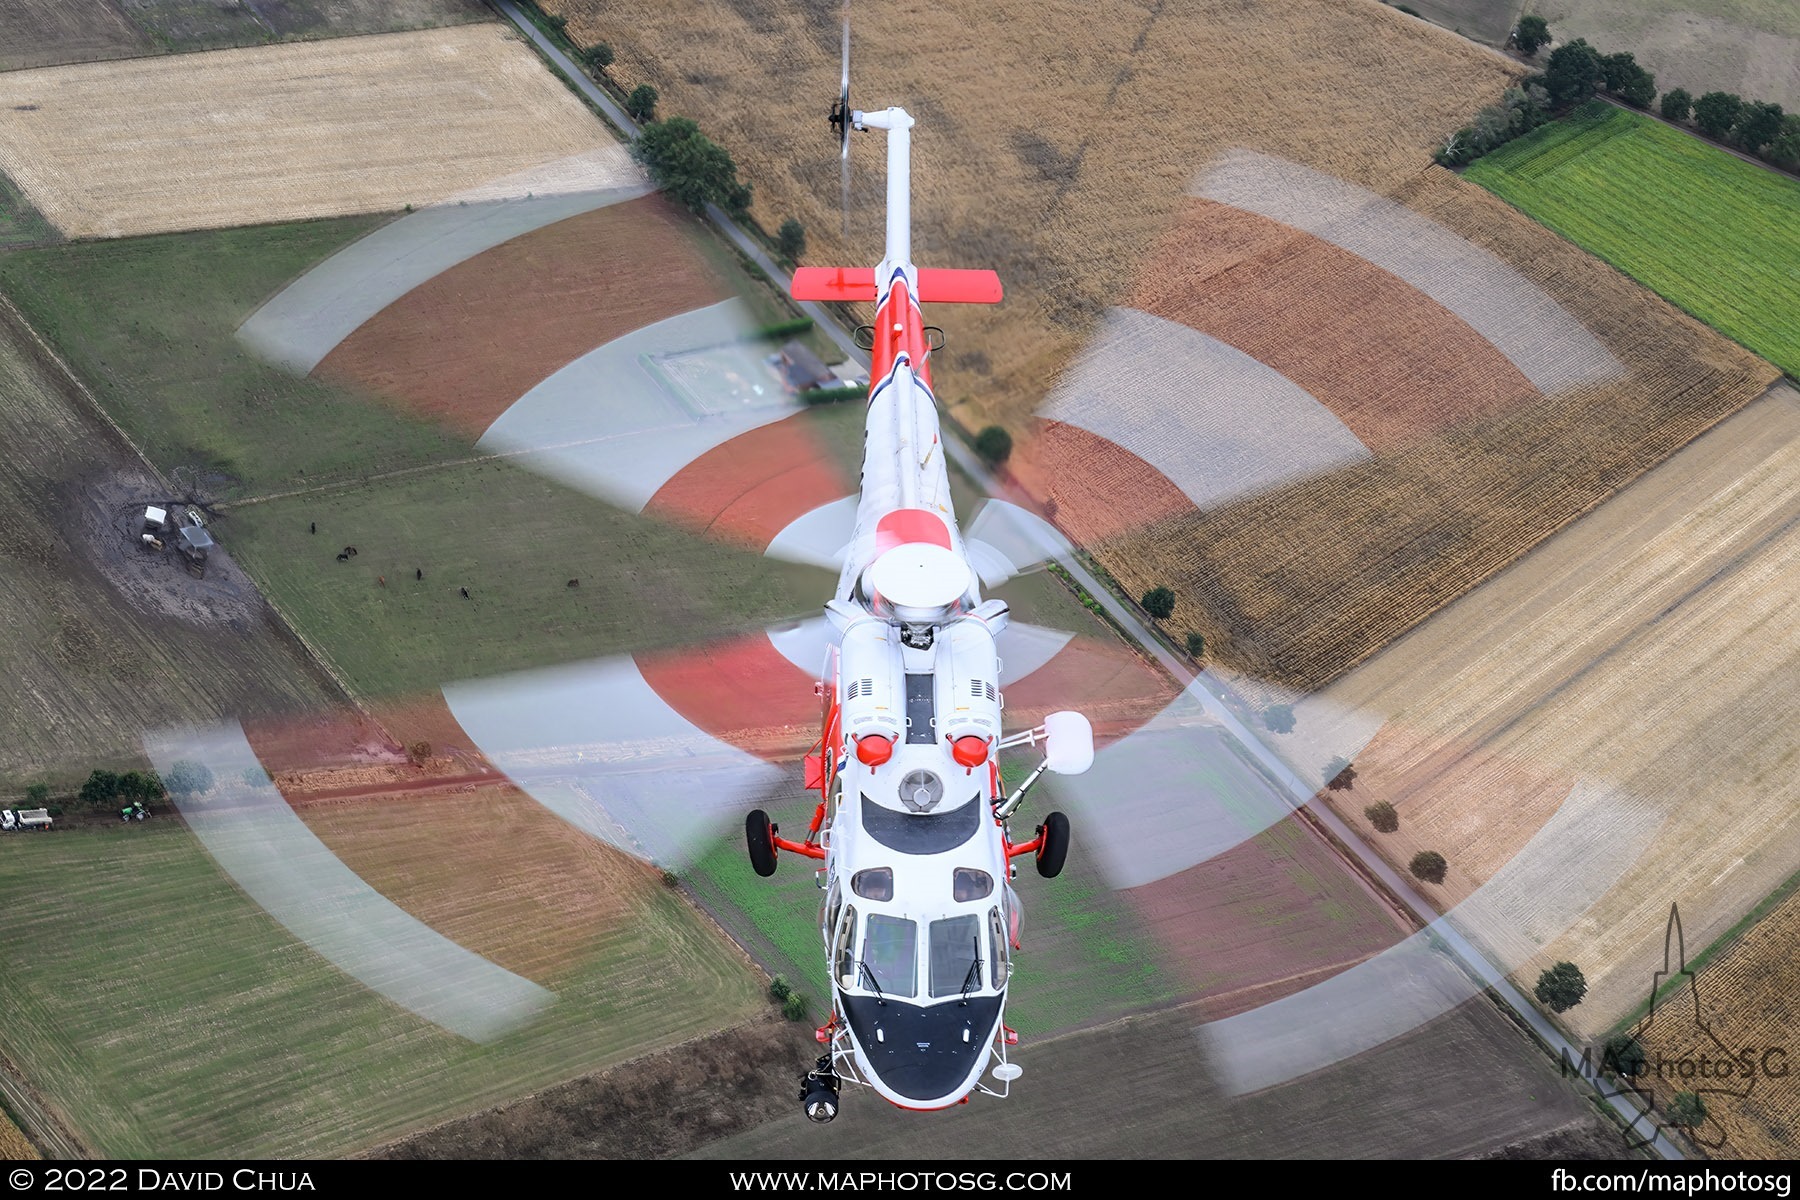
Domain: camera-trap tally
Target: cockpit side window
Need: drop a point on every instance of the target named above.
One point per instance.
(969, 883)
(997, 966)
(844, 954)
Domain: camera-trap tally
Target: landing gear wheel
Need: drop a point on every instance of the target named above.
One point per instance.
(760, 835)
(1055, 846)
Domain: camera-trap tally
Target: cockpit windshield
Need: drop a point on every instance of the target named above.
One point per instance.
(956, 956)
(891, 955)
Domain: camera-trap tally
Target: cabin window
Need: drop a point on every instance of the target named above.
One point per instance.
(955, 955)
(876, 883)
(968, 884)
(891, 955)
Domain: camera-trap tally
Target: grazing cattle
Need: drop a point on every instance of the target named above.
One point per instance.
(342, 557)
(574, 583)
(418, 572)
(313, 528)
(465, 592)
(381, 579)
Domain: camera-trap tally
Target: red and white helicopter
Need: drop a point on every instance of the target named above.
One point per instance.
(912, 825)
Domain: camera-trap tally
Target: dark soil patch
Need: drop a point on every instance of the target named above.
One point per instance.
(660, 1106)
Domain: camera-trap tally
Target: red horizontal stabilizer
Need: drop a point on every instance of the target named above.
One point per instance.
(834, 283)
(939, 285)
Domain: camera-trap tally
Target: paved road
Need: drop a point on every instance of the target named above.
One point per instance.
(1294, 791)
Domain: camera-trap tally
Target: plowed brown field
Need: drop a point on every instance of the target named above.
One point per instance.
(1303, 583)
(571, 286)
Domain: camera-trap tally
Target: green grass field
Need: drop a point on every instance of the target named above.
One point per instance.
(166, 1015)
(514, 539)
(1712, 234)
(150, 325)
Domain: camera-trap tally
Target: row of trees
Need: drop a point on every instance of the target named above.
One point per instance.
(103, 788)
(1575, 72)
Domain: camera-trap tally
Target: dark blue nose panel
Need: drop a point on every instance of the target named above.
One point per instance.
(920, 1053)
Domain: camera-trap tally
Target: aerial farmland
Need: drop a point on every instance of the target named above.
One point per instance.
(1471, 493)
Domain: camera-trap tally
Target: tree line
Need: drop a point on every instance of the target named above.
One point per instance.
(1575, 73)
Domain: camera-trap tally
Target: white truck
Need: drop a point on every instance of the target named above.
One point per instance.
(24, 818)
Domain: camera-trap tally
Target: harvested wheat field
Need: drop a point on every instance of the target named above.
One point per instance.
(280, 133)
(1743, 1000)
(1607, 727)
(547, 896)
(1296, 579)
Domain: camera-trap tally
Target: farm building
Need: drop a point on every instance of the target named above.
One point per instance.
(802, 371)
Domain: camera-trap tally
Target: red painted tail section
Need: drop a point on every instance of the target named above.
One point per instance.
(834, 283)
(937, 285)
(940, 285)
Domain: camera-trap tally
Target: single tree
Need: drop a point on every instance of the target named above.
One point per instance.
(144, 786)
(1716, 112)
(1196, 646)
(1493, 125)
(1340, 775)
(1784, 151)
(1572, 74)
(1561, 987)
(256, 777)
(641, 104)
(790, 241)
(1532, 35)
(188, 778)
(1687, 1110)
(1159, 602)
(1279, 718)
(994, 445)
(1637, 88)
(1623, 1055)
(1757, 125)
(598, 56)
(1383, 816)
(101, 788)
(37, 795)
(779, 990)
(1615, 69)
(1677, 104)
(1428, 865)
(690, 166)
(794, 1007)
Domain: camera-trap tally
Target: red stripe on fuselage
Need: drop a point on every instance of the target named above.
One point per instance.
(899, 329)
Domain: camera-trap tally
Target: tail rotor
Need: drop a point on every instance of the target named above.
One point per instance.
(842, 118)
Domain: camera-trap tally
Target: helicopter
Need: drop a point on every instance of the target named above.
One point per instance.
(913, 823)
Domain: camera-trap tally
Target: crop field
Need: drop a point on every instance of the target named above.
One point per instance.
(1626, 696)
(1416, 1097)
(41, 33)
(1467, 482)
(308, 129)
(315, 1064)
(1713, 234)
(1743, 999)
(106, 641)
(1749, 47)
(1489, 21)
(13, 1144)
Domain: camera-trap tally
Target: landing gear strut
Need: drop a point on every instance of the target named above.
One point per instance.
(819, 1091)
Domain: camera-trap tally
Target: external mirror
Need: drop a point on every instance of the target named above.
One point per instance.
(1068, 743)
(849, 978)
(1006, 1072)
